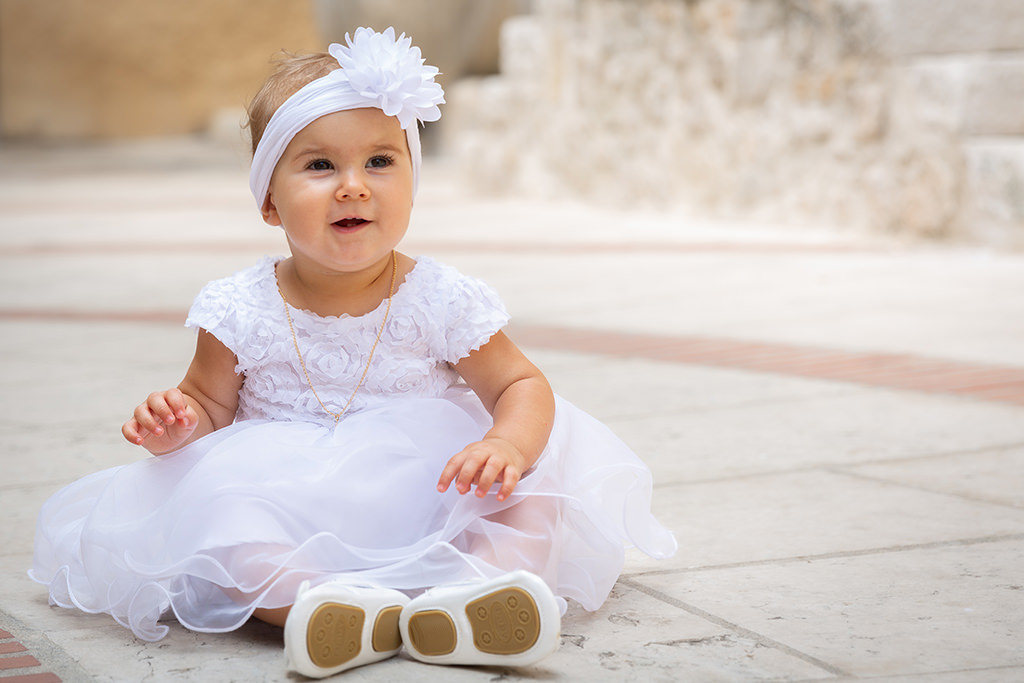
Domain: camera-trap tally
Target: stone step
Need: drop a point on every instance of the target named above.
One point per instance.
(994, 207)
(930, 27)
(985, 92)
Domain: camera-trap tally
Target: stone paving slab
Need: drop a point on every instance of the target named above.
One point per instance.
(915, 611)
(850, 514)
(852, 427)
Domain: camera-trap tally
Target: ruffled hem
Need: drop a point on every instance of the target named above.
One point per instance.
(237, 520)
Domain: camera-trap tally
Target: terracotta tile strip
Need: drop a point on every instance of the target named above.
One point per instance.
(1004, 384)
(896, 371)
(10, 646)
(21, 662)
(32, 678)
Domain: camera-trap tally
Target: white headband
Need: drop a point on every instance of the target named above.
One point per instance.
(376, 71)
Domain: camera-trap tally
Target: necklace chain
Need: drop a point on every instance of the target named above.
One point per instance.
(366, 370)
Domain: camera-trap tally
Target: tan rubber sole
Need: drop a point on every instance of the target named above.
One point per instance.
(505, 622)
(335, 633)
(432, 633)
(386, 636)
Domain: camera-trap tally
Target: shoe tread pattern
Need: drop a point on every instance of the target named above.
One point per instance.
(334, 635)
(505, 622)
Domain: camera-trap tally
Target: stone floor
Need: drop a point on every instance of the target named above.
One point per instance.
(835, 423)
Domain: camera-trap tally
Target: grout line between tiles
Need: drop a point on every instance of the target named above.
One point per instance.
(736, 628)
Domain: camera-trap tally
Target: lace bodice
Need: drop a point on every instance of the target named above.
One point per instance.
(437, 317)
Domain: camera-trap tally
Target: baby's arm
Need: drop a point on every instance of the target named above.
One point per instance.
(206, 400)
(520, 400)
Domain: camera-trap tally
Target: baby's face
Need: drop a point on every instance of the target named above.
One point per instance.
(342, 190)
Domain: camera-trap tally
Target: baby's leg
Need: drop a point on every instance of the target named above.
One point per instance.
(523, 536)
(256, 565)
(276, 616)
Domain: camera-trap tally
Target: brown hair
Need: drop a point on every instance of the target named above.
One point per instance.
(291, 72)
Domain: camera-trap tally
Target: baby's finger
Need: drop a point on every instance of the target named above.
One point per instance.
(509, 479)
(147, 420)
(470, 470)
(157, 404)
(176, 403)
(134, 433)
(185, 415)
(448, 474)
(130, 431)
(487, 477)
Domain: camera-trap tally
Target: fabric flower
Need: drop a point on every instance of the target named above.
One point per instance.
(390, 71)
(403, 376)
(328, 359)
(405, 330)
(260, 339)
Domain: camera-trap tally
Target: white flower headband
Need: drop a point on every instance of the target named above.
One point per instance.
(376, 71)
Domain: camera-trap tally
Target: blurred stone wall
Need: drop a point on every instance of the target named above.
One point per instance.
(898, 116)
(101, 69)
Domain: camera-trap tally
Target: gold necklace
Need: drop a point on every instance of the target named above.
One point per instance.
(380, 332)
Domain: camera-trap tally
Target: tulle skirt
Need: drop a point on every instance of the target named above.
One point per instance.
(237, 519)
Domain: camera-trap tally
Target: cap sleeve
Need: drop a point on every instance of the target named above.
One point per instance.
(474, 314)
(212, 311)
(229, 310)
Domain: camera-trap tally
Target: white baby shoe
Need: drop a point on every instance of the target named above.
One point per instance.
(511, 620)
(337, 626)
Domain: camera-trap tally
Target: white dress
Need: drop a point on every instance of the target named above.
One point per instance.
(237, 519)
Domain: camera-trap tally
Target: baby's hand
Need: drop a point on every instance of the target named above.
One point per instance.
(483, 463)
(162, 423)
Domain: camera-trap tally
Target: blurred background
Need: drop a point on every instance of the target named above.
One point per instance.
(888, 117)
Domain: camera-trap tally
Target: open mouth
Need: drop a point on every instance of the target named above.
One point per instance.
(351, 222)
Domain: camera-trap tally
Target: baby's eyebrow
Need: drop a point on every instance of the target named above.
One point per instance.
(311, 151)
(322, 150)
(388, 147)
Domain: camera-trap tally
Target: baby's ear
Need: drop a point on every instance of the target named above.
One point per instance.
(269, 211)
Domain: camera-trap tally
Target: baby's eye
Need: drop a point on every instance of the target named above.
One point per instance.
(380, 161)
(320, 165)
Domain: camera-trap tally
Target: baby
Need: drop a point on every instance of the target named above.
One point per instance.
(357, 451)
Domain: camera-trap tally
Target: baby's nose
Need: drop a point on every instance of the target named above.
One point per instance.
(352, 187)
